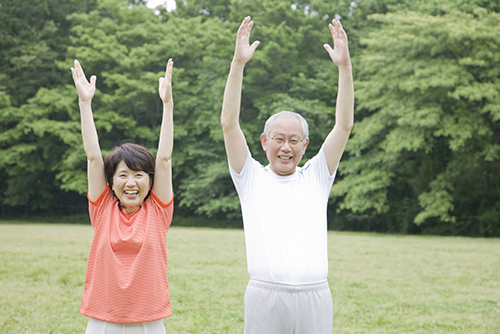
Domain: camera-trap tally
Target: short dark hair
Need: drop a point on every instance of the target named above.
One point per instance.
(135, 156)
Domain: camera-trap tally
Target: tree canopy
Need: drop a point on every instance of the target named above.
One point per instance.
(424, 154)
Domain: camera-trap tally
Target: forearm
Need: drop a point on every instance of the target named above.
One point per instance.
(89, 132)
(166, 141)
(232, 97)
(163, 171)
(344, 111)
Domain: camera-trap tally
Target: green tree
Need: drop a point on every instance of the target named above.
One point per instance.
(33, 37)
(426, 150)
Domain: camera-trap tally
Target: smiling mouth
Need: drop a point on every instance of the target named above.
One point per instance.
(131, 193)
(284, 158)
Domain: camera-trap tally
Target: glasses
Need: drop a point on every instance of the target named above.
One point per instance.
(291, 141)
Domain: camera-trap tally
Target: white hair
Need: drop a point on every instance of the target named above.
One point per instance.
(270, 122)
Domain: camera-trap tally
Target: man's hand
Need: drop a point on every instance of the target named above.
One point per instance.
(243, 51)
(165, 88)
(340, 52)
(85, 89)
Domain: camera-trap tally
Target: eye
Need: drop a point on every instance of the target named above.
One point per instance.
(279, 140)
(293, 141)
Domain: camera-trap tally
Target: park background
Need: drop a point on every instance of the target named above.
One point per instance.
(423, 158)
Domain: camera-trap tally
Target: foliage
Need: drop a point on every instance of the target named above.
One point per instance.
(424, 154)
(33, 35)
(428, 139)
(33, 133)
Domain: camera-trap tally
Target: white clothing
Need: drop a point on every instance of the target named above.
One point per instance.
(103, 327)
(272, 308)
(285, 221)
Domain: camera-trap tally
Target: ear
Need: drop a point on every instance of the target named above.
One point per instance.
(263, 141)
(305, 146)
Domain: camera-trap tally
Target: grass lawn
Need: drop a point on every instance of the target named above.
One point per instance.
(379, 283)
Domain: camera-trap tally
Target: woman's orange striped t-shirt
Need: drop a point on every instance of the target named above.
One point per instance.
(126, 277)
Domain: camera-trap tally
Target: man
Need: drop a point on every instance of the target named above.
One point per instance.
(284, 206)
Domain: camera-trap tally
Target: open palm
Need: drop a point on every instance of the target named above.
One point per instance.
(244, 51)
(85, 89)
(165, 87)
(340, 52)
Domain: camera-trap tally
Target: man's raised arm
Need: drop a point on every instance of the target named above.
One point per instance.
(334, 144)
(234, 139)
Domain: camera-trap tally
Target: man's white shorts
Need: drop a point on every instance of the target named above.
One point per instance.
(274, 308)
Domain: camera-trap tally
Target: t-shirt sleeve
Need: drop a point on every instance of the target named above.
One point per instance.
(319, 166)
(243, 181)
(164, 210)
(96, 207)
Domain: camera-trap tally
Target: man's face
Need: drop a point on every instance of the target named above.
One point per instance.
(285, 146)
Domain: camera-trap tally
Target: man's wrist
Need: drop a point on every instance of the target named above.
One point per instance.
(238, 63)
(346, 67)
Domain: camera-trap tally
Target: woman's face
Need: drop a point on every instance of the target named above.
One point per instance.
(130, 187)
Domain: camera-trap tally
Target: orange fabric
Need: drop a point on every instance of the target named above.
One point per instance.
(126, 277)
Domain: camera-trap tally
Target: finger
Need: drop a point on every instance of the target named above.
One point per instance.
(343, 34)
(332, 29)
(168, 73)
(339, 25)
(73, 70)
(78, 68)
(254, 45)
(248, 26)
(328, 48)
(93, 79)
(169, 66)
(243, 25)
(335, 32)
(79, 71)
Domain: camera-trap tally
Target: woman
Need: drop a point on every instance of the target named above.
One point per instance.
(130, 205)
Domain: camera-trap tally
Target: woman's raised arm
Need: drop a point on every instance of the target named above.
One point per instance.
(163, 170)
(95, 171)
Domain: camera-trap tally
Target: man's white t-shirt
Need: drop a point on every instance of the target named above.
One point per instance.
(285, 220)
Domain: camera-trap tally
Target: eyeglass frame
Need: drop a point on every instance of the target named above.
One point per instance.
(286, 140)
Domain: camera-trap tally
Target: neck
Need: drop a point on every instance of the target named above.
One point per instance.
(129, 211)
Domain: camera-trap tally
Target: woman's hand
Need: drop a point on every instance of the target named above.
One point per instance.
(85, 89)
(165, 88)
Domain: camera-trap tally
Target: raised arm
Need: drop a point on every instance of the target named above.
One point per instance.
(335, 142)
(163, 169)
(95, 169)
(234, 139)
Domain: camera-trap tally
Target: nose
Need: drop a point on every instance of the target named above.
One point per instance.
(286, 146)
(130, 181)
